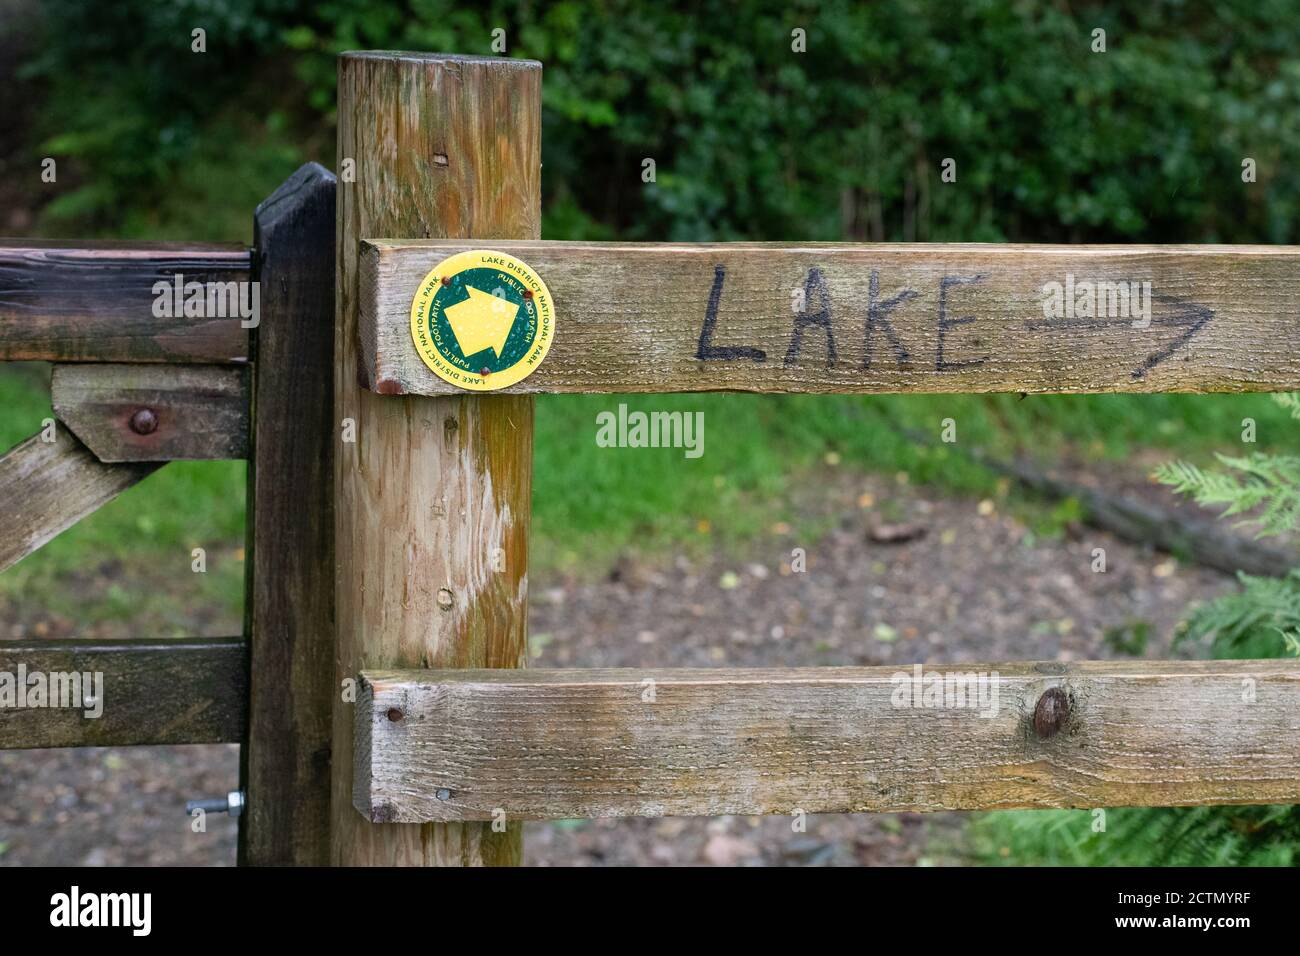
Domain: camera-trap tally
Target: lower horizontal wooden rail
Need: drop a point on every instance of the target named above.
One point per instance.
(190, 691)
(554, 744)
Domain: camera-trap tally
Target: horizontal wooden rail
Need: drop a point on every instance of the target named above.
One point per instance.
(155, 412)
(549, 744)
(47, 487)
(96, 302)
(190, 691)
(873, 318)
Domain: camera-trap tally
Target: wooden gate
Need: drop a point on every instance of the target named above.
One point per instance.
(378, 689)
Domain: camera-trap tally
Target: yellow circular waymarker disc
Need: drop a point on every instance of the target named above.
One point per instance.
(482, 320)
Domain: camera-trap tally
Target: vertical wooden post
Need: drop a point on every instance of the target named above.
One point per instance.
(289, 611)
(431, 488)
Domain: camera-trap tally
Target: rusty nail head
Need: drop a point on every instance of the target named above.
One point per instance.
(144, 421)
(395, 714)
(1051, 711)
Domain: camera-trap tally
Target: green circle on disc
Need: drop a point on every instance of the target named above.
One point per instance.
(494, 283)
(482, 320)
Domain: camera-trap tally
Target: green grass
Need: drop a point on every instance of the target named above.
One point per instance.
(151, 529)
(592, 503)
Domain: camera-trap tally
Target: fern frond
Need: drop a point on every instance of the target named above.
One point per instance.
(1250, 623)
(1290, 401)
(1270, 483)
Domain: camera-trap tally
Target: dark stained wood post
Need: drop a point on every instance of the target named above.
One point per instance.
(289, 613)
(442, 146)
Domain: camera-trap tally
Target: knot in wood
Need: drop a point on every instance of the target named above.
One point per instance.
(1050, 713)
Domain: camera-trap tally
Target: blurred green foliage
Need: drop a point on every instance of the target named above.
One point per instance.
(1138, 836)
(751, 140)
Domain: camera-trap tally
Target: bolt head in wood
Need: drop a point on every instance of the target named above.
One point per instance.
(144, 421)
(395, 714)
(1050, 713)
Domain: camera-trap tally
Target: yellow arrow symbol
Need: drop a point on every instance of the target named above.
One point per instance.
(481, 322)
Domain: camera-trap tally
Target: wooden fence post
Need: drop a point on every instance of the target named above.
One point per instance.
(289, 611)
(432, 495)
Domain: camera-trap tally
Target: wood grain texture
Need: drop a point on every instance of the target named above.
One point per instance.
(93, 302)
(555, 744)
(759, 317)
(289, 608)
(50, 486)
(154, 692)
(199, 412)
(433, 498)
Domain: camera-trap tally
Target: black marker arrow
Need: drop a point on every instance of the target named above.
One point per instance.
(1183, 314)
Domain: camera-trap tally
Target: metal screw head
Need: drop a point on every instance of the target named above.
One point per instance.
(395, 714)
(144, 421)
(1050, 713)
(443, 794)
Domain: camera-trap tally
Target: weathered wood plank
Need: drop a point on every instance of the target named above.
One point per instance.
(47, 487)
(289, 608)
(550, 744)
(155, 412)
(94, 302)
(433, 497)
(869, 318)
(149, 692)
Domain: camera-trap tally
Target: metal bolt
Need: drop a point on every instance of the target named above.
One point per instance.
(232, 803)
(1050, 713)
(144, 421)
(443, 794)
(395, 714)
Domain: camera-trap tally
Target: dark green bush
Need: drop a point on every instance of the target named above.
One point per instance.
(1052, 141)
